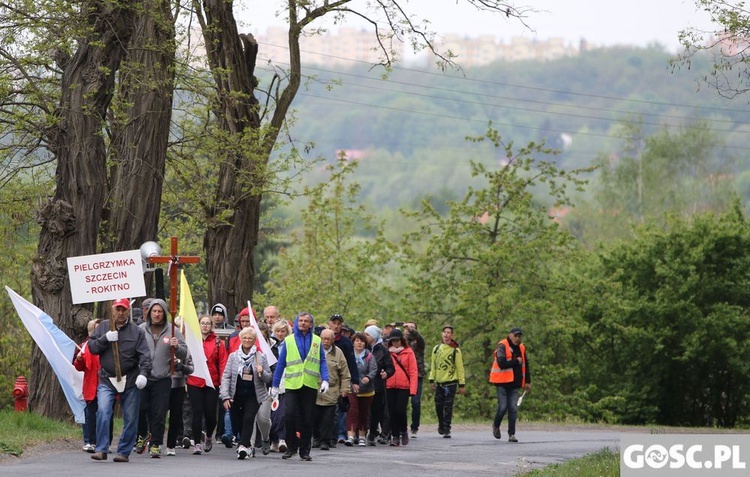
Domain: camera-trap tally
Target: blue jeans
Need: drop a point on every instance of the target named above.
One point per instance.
(416, 406)
(130, 401)
(507, 400)
(227, 423)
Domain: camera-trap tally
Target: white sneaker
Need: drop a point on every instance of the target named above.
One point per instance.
(282, 445)
(197, 449)
(241, 452)
(170, 451)
(274, 447)
(90, 448)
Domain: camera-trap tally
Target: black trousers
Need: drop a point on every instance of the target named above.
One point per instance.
(203, 401)
(379, 415)
(244, 409)
(154, 406)
(445, 395)
(299, 417)
(325, 421)
(176, 428)
(398, 402)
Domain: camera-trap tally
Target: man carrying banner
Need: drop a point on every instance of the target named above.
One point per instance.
(122, 351)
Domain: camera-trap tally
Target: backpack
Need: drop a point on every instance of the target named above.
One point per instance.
(453, 356)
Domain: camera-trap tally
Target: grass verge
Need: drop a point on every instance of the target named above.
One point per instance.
(604, 463)
(19, 430)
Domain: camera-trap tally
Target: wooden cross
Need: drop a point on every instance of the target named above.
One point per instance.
(174, 260)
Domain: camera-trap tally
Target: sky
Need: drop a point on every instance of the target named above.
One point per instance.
(600, 22)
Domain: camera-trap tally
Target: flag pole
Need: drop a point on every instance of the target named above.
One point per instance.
(115, 351)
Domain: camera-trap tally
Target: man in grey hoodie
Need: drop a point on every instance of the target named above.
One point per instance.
(161, 340)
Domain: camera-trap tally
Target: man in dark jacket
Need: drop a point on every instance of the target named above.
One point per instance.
(134, 360)
(417, 344)
(378, 414)
(336, 324)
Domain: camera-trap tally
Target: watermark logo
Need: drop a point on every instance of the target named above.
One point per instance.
(684, 454)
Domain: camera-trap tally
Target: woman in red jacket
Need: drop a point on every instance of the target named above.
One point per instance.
(203, 398)
(400, 386)
(89, 364)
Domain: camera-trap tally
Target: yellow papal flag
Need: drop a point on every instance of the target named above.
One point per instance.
(193, 337)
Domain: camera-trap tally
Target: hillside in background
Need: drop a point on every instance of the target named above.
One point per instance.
(409, 130)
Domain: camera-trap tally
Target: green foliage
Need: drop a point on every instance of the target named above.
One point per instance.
(18, 234)
(729, 72)
(337, 261)
(680, 172)
(493, 262)
(667, 324)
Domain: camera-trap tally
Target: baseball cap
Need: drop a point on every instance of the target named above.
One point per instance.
(123, 302)
(336, 316)
(516, 331)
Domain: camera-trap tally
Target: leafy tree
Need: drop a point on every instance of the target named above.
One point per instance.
(678, 172)
(250, 129)
(77, 80)
(89, 85)
(728, 45)
(18, 233)
(338, 259)
(667, 323)
(493, 262)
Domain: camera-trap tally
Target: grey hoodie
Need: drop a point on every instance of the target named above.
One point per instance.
(161, 356)
(220, 308)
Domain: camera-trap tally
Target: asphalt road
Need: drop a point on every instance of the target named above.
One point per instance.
(470, 452)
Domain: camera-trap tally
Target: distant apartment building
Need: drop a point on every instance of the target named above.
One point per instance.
(345, 47)
(349, 45)
(485, 49)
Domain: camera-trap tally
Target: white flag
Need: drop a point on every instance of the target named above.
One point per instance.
(57, 347)
(261, 342)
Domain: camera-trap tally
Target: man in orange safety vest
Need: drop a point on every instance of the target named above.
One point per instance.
(510, 372)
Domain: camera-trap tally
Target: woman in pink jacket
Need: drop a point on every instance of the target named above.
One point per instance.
(400, 386)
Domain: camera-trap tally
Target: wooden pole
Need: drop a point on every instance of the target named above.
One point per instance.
(115, 350)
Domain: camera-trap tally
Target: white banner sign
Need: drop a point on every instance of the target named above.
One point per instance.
(106, 276)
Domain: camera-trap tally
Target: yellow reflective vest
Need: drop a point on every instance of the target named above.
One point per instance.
(300, 373)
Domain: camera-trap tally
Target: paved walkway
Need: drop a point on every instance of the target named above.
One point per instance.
(471, 451)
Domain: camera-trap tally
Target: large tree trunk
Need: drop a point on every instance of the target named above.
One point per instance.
(140, 136)
(70, 221)
(232, 233)
(234, 222)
